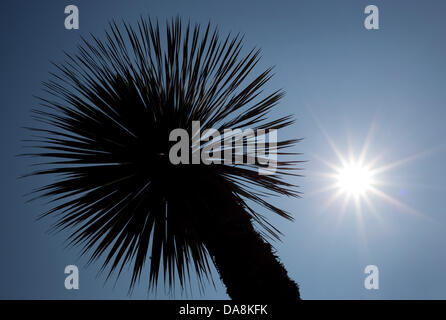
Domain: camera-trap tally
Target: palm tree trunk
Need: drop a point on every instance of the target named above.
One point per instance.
(246, 263)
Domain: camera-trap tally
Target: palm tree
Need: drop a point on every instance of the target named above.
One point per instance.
(103, 132)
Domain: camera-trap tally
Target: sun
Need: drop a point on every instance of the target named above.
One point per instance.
(359, 178)
(354, 179)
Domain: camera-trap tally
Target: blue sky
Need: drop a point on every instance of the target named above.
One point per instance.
(340, 79)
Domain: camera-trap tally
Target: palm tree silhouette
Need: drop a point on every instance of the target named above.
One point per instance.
(103, 134)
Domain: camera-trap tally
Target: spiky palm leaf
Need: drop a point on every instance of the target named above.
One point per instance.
(105, 123)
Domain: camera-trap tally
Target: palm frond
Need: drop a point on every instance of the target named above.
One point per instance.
(102, 132)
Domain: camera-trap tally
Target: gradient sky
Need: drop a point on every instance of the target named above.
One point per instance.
(340, 79)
